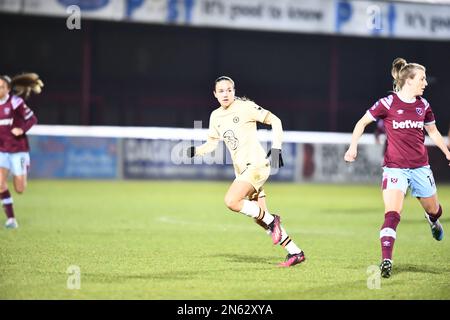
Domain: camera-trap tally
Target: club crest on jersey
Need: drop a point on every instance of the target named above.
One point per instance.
(236, 119)
(419, 111)
(394, 180)
(7, 111)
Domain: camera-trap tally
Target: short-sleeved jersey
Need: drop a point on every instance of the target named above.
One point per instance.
(236, 126)
(14, 113)
(404, 124)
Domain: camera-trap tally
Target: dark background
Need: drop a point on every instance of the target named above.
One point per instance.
(131, 74)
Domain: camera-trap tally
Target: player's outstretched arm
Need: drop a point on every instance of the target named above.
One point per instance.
(277, 140)
(352, 151)
(209, 146)
(438, 140)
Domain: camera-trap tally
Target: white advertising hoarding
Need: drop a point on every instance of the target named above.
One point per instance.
(345, 17)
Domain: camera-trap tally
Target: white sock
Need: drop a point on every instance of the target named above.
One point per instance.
(291, 247)
(252, 209)
(268, 218)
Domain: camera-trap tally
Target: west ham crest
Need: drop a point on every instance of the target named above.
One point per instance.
(7, 110)
(419, 111)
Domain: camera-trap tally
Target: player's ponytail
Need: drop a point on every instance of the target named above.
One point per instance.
(402, 70)
(397, 66)
(23, 84)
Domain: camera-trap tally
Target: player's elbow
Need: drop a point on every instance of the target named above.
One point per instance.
(275, 121)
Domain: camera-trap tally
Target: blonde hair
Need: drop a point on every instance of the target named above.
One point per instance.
(24, 84)
(402, 70)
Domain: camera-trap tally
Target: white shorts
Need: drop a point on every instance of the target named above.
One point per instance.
(255, 175)
(17, 163)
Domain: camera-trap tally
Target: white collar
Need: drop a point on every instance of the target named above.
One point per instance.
(3, 101)
(407, 101)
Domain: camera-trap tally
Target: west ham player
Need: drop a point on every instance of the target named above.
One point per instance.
(405, 114)
(234, 122)
(15, 120)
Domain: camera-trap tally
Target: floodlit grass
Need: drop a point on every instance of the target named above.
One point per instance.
(177, 240)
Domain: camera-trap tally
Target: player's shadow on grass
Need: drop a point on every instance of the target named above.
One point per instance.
(418, 268)
(243, 258)
(424, 222)
(349, 210)
(168, 275)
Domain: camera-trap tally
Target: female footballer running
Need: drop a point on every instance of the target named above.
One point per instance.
(15, 120)
(234, 122)
(405, 114)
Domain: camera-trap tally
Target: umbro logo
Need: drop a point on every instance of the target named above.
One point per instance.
(386, 243)
(400, 111)
(394, 180)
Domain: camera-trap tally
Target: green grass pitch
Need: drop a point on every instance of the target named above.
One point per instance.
(177, 240)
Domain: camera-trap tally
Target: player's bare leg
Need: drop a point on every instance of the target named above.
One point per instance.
(7, 200)
(393, 204)
(20, 183)
(433, 211)
(235, 200)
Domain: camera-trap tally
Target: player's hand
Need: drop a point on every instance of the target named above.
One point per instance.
(276, 159)
(448, 157)
(350, 155)
(191, 152)
(17, 131)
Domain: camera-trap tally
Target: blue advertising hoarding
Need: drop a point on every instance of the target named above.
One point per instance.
(73, 157)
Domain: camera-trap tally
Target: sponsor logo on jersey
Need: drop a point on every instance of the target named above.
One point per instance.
(230, 139)
(6, 122)
(407, 124)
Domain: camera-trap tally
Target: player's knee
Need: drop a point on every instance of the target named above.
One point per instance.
(3, 187)
(232, 203)
(20, 189)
